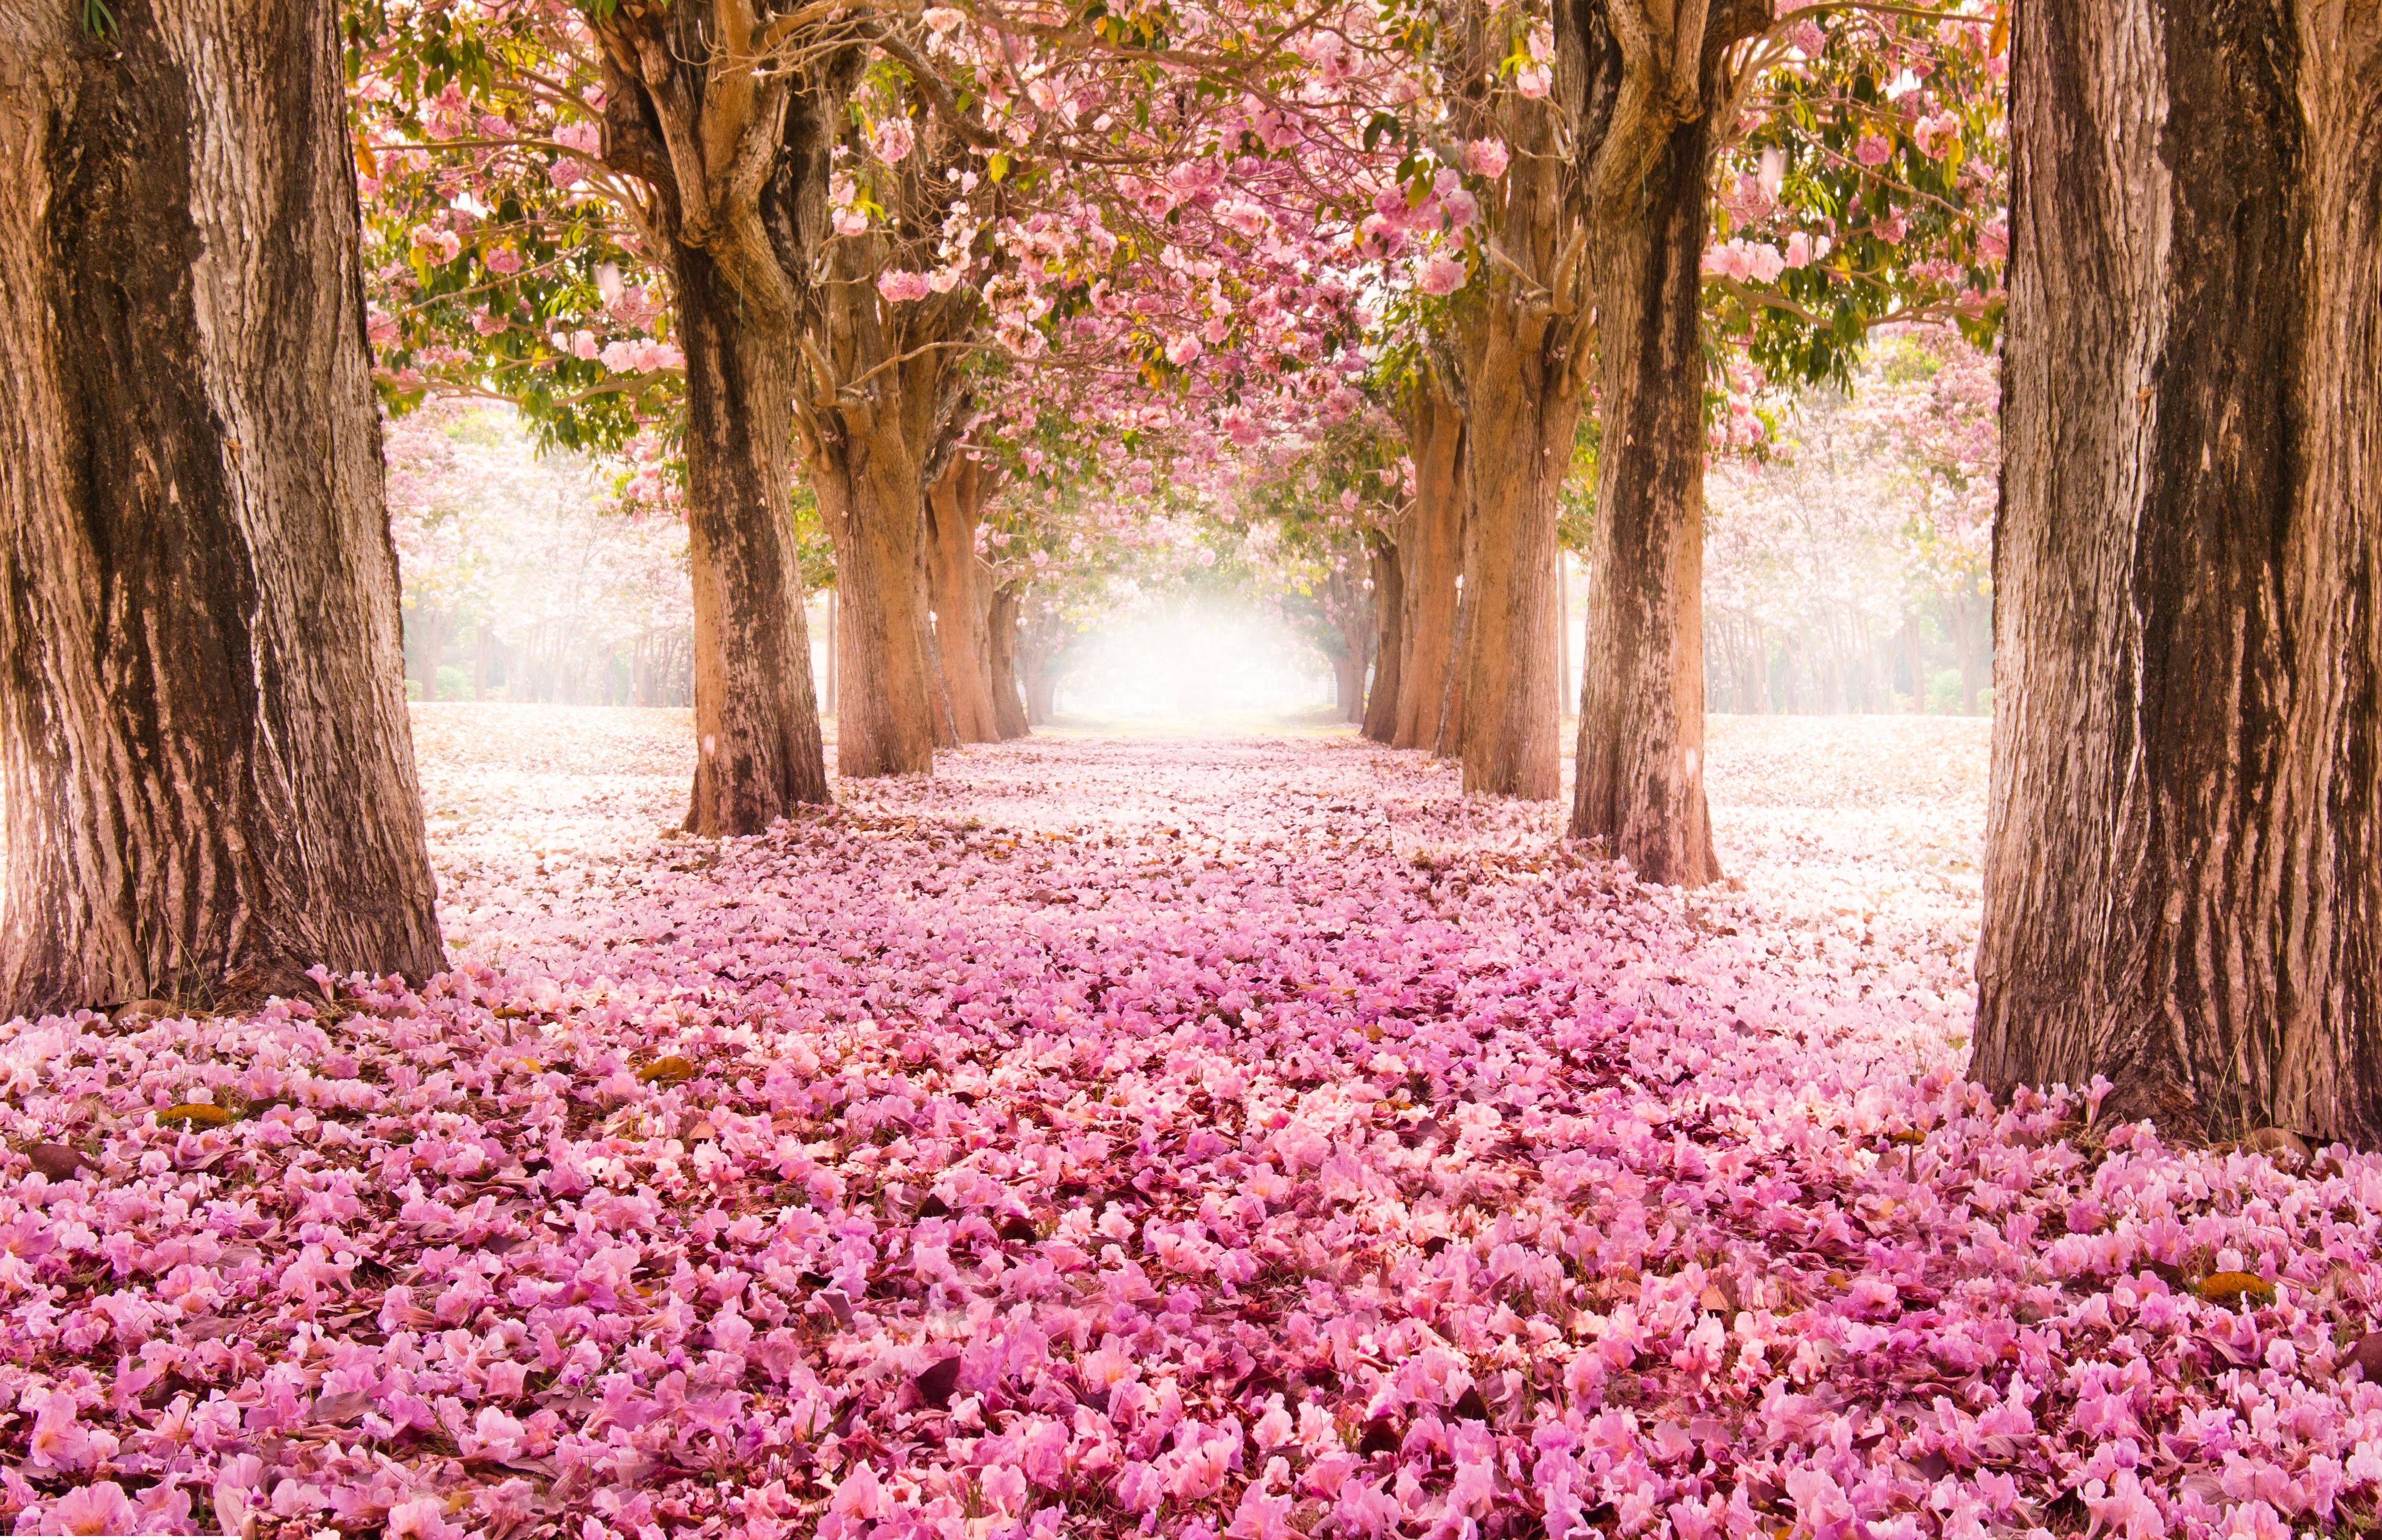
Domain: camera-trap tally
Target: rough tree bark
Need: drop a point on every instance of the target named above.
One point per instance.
(1519, 442)
(1516, 338)
(695, 112)
(953, 508)
(1001, 631)
(1645, 158)
(206, 775)
(881, 391)
(2183, 870)
(1389, 637)
(759, 753)
(1434, 557)
(866, 465)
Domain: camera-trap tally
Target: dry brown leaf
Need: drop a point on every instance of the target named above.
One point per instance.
(59, 1162)
(2230, 1288)
(672, 1070)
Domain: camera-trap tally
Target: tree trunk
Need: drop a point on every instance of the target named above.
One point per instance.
(1517, 447)
(756, 725)
(1389, 640)
(952, 509)
(870, 500)
(206, 775)
(1432, 558)
(872, 503)
(2183, 869)
(1640, 783)
(1000, 630)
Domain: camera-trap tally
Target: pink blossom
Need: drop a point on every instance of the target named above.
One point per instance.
(859, 1494)
(1485, 157)
(422, 1519)
(1441, 272)
(892, 140)
(99, 1508)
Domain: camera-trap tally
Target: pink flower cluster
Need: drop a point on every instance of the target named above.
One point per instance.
(1231, 1139)
(640, 356)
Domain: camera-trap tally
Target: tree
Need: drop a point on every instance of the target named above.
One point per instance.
(1512, 95)
(963, 611)
(702, 111)
(205, 759)
(1432, 557)
(483, 128)
(1656, 101)
(2183, 867)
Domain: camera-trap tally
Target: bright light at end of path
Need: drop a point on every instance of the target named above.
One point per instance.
(1196, 664)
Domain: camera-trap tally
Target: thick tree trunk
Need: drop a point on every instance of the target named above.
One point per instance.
(1434, 557)
(2183, 872)
(870, 500)
(952, 509)
(206, 775)
(1639, 783)
(1519, 444)
(1389, 639)
(1001, 631)
(758, 750)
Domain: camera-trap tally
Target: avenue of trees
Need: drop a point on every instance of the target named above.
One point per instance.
(977, 304)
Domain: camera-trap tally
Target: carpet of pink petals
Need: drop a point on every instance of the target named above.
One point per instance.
(1238, 1137)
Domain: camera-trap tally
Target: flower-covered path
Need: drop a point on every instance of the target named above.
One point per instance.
(1233, 1136)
